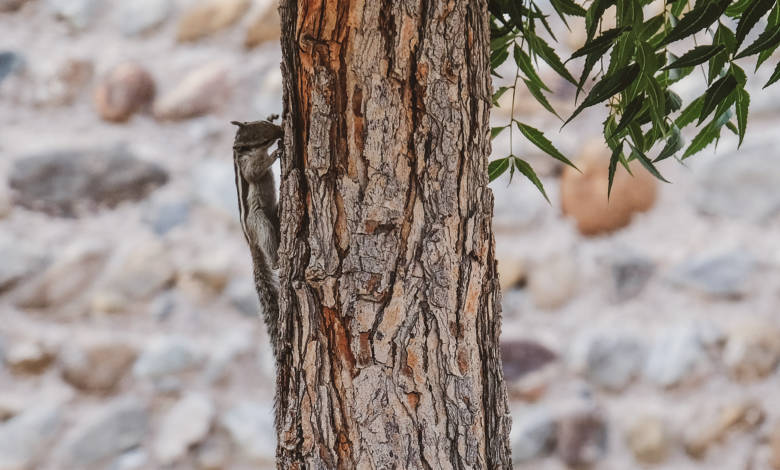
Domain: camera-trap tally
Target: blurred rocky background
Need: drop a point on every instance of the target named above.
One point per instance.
(643, 332)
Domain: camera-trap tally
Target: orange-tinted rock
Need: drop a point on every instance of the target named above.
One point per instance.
(125, 90)
(210, 16)
(265, 27)
(584, 195)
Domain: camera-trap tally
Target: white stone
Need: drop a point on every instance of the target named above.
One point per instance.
(185, 424)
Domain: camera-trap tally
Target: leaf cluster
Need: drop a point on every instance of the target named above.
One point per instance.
(632, 71)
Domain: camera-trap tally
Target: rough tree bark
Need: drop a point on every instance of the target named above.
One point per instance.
(390, 312)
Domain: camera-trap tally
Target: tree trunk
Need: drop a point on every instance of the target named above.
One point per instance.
(389, 298)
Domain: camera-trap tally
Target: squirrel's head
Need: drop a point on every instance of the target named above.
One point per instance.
(256, 134)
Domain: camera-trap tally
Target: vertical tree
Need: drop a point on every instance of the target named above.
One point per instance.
(390, 312)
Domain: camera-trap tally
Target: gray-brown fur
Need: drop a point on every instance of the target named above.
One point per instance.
(256, 189)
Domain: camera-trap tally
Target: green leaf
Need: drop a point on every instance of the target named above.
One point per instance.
(608, 86)
(498, 57)
(651, 26)
(695, 56)
(497, 168)
(754, 11)
(773, 20)
(678, 6)
(523, 61)
(674, 143)
(690, 113)
(702, 140)
(494, 131)
(735, 9)
(539, 96)
(767, 39)
(631, 111)
(716, 93)
(524, 168)
(613, 161)
(498, 94)
(700, 17)
(568, 7)
(594, 14)
(601, 44)
(742, 105)
(775, 76)
(621, 53)
(537, 138)
(647, 163)
(726, 38)
(543, 50)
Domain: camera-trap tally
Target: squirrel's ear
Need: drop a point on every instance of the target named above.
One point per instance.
(236, 123)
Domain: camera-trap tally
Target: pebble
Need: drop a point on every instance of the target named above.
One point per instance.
(553, 281)
(165, 215)
(251, 428)
(677, 355)
(185, 424)
(741, 186)
(66, 279)
(143, 270)
(512, 265)
(584, 195)
(69, 182)
(721, 275)
(77, 13)
(774, 443)
(214, 185)
(142, 16)
(532, 435)
(242, 295)
(65, 85)
(649, 439)
(210, 16)
(97, 366)
(609, 359)
(10, 62)
(20, 261)
(7, 6)
(630, 273)
(200, 92)
(167, 356)
(713, 426)
(135, 459)
(29, 357)
(25, 438)
(116, 427)
(126, 89)
(210, 271)
(214, 453)
(265, 27)
(581, 438)
(752, 350)
(521, 357)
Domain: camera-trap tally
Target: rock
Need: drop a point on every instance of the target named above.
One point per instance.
(609, 359)
(20, 261)
(117, 427)
(29, 357)
(752, 351)
(676, 355)
(251, 427)
(6, 204)
(135, 459)
(209, 17)
(11, 405)
(532, 435)
(107, 301)
(144, 270)
(521, 357)
(214, 453)
(10, 62)
(141, 16)
(722, 275)
(710, 428)
(512, 266)
(211, 271)
(581, 438)
(630, 273)
(185, 424)
(242, 295)
(68, 182)
(126, 89)
(77, 13)
(517, 207)
(25, 438)
(649, 439)
(66, 84)
(66, 279)
(552, 282)
(167, 356)
(265, 27)
(742, 186)
(97, 366)
(584, 195)
(9, 6)
(215, 187)
(165, 215)
(200, 92)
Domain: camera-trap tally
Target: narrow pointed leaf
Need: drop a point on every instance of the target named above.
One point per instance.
(775, 76)
(524, 168)
(773, 20)
(701, 141)
(767, 39)
(494, 131)
(742, 105)
(674, 143)
(613, 162)
(690, 113)
(601, 44)
(607, 87)
(695, 56)
(568, 7)
(735, 9)
(696, 20)
(539, 96)
(526, 66)
(497, 167)
(537, 138)
(631, 111)
(548, 55)
(715, 94)
(754, 11)
(647, 163)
